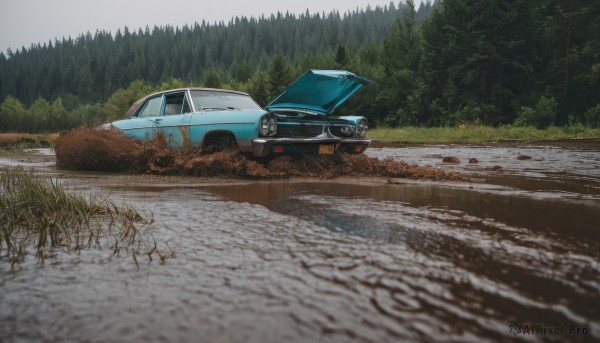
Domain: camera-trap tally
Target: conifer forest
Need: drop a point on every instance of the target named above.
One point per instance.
(442, 63)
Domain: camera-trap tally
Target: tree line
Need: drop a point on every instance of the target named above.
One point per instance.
(495, 62)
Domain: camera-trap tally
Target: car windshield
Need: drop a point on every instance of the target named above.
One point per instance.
(215, 100)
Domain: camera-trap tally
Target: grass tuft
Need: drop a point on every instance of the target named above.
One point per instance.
(36, 212)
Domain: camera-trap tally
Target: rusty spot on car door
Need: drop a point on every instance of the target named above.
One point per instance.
(186, 143)
(161, 140)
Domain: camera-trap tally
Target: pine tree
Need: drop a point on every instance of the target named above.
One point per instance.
(258, 88)
(478, 60)
(280, 74)
(213, 79)
(244, 71)
(341, 57)
(401, 62)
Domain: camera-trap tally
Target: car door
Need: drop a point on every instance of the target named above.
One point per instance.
(143, 124)
(223, 111)
(174, 124)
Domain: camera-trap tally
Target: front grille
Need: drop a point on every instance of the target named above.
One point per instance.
(298, 131)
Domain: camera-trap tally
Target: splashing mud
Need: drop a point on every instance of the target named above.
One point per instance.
(88, 149)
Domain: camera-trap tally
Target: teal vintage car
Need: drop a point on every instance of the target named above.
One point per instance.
(300, 120)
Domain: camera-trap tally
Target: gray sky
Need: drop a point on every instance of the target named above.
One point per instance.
(23, 22)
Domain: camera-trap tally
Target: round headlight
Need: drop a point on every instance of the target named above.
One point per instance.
(268, 125)
(264, 126)
(361, 128)
(272, 126)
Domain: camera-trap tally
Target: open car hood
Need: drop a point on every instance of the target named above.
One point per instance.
(319, 91)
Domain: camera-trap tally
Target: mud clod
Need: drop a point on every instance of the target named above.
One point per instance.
(473, 160)
(89, 149)
(523, 157)
(451, 159)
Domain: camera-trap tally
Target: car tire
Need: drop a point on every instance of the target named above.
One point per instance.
(221, 142)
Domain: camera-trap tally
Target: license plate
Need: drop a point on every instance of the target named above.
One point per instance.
(326, 149)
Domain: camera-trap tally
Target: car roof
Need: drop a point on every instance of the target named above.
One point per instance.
(136, 105)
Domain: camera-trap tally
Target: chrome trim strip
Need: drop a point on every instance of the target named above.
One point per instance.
(241, 123)
(152, 127)
(301, 110)
(304, 123)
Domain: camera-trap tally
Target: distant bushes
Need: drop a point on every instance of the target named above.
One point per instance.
(544, 114)
(59, 115)
(541, 116)
(43, 116)
(592, 116)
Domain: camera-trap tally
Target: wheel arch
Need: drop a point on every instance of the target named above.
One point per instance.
(212, 136)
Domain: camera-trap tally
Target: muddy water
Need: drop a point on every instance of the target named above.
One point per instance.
(351, 259)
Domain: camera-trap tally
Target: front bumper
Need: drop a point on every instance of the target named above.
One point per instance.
(265, 146)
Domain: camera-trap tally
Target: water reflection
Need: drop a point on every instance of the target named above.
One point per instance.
(541, 212)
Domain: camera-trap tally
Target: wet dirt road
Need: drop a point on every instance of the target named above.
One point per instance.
(349, 259)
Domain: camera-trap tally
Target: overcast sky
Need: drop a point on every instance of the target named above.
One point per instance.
(23, 22)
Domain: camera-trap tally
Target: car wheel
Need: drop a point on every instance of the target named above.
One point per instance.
(221, 142)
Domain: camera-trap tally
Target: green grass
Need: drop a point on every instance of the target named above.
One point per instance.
(480, 134)
(37, 213)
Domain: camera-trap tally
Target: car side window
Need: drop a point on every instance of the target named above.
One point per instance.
(151, 108)
(222, 100)
(176, 103)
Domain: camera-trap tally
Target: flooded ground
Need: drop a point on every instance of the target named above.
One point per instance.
(512, 254)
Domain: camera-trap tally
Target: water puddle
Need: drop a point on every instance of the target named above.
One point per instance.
(532, 161)
(9, 163)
